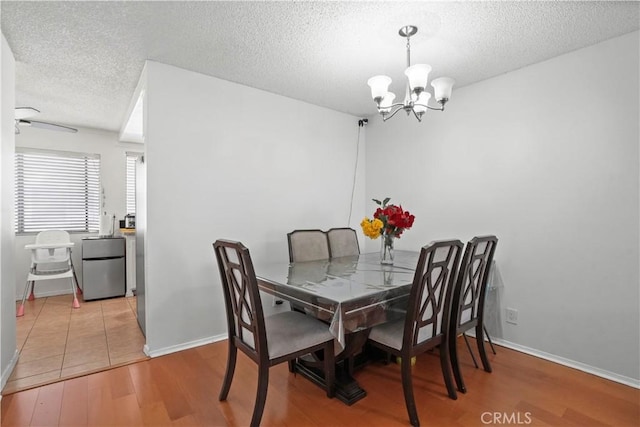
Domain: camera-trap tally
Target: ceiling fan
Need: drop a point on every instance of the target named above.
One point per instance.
(23, 118)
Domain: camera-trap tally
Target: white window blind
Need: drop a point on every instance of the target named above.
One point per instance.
(57, 191)
(131, 182)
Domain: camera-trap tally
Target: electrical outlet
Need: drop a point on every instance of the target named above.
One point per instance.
(512, 316)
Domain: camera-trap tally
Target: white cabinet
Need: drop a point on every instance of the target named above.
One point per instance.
(131, 264)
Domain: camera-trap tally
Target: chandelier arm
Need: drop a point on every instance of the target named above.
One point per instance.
(397, 104)
(387, 116)
(417, 115)
(441, 108)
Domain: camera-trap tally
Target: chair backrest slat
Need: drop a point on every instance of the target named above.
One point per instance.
(430, 297)
(245, 317)
(471, 285)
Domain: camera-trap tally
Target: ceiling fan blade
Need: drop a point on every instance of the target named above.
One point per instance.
(45, 125)
(25, 112)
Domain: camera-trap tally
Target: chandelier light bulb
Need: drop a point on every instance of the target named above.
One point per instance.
(418, 76)
(379, 87)
(442, 88)
(420, 105)
(387, 101)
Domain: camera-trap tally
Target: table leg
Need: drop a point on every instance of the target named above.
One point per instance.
(347, 388)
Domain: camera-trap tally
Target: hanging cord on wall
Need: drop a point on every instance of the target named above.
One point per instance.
(361, 124)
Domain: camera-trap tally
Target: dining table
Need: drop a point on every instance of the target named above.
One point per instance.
(351, 294)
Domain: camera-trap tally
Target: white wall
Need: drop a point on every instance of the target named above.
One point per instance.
(113, 181)
(229, 161)
(8, 356)
(546, 158)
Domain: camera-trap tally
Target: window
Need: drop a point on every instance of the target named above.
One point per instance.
(57, 190)
(131, 182)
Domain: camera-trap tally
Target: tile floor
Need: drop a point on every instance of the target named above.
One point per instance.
(57, 342)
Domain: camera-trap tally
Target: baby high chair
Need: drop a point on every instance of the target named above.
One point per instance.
(50, 259)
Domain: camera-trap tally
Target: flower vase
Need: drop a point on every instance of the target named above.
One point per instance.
(386, 251)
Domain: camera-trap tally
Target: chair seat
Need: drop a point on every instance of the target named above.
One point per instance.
(50, 274)
(290, 331)
(389, 334)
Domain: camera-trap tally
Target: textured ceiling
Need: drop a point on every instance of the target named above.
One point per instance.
(79, 62)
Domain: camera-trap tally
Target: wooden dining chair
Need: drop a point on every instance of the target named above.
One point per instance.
(267, 341)
(468, 302)
(343, 241)
(308, 245)
(426, 323)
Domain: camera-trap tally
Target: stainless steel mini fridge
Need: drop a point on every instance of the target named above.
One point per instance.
(103, 267)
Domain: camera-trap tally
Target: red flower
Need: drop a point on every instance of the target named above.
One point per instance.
(395, 219)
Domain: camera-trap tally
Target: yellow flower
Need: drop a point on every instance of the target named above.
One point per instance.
(371, 227)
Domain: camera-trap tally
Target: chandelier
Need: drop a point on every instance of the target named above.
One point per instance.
(417, 98)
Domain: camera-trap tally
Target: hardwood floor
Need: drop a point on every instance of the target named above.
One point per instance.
(182, 389)
(56, 341)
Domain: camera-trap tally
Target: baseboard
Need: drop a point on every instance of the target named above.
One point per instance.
(183, 346)
(602, 373)
(9, 369)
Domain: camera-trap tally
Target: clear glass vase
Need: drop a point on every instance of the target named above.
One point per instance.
(386, 250)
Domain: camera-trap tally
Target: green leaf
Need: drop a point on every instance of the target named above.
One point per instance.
(377, 201)
(384, 203)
